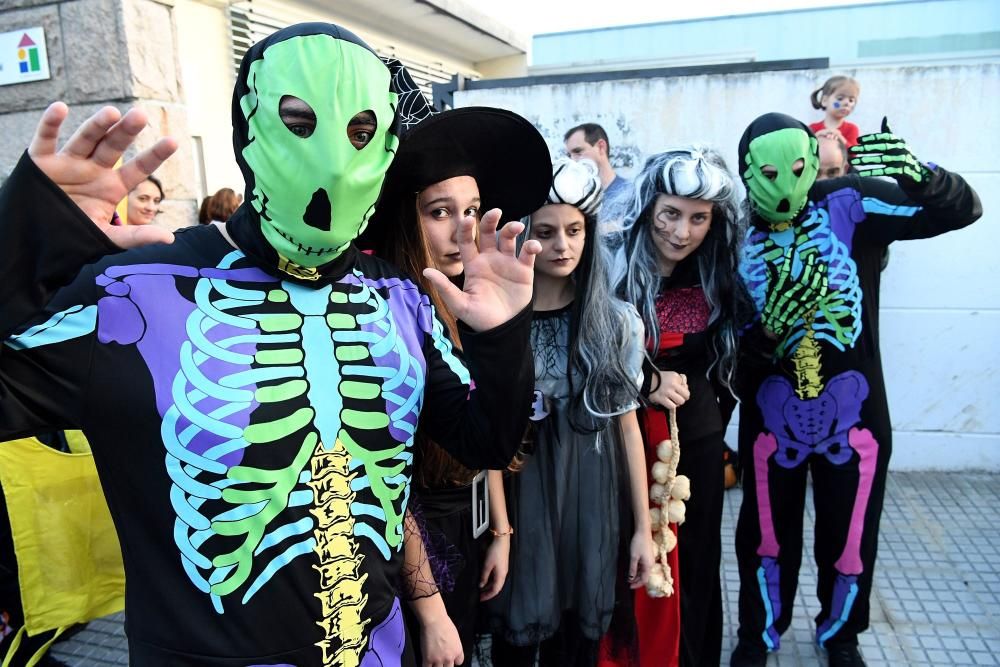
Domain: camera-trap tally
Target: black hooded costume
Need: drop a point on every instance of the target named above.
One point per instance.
(812, 395)
(251, 411)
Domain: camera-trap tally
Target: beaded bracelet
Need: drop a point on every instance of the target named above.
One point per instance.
(499, 534)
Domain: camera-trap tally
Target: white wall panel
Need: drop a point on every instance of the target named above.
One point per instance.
(940, 314)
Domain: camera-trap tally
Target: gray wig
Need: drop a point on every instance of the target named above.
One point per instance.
(605, 337)
(693, 172)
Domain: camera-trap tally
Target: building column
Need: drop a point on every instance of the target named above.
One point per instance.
(105, 52)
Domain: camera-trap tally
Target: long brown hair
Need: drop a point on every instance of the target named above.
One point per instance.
(407, 249)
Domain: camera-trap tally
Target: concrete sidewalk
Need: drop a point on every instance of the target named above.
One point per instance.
(936, 598)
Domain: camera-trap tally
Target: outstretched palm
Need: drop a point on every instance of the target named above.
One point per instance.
(498, 282)
(85, 167)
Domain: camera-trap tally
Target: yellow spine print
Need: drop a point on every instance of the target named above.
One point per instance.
(340, 583)
(807, 366)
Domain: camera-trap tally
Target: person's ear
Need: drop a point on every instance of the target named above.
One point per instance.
(603, 145)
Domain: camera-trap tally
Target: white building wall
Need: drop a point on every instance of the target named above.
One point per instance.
(940, 307)
(205, 56)
(206, 63)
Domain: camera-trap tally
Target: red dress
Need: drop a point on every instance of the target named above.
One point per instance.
(683, 315)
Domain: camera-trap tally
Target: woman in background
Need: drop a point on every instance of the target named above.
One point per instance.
(144, 202)
(219, 207)
(678, 268)
(579, 498)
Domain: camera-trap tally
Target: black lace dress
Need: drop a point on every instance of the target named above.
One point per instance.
(566, 504)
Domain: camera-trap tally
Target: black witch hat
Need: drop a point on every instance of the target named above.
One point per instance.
(501, 150)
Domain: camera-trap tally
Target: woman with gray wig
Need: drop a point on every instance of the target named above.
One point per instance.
(677, 266)
(578, 502)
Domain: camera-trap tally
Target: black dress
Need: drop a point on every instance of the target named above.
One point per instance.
(565, 505)
(683, 313)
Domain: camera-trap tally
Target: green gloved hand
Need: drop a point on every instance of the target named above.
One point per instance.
(885, 154)
(791, 299)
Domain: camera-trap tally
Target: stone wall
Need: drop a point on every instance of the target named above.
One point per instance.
(104, 52)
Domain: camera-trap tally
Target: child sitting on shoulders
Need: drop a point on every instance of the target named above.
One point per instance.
(837, 97)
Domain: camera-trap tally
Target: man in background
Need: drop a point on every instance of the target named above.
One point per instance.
(832, 157)
(591, 141)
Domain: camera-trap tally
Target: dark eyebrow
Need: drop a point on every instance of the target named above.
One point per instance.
(293, 106)
(448, 200)
(439, 200)
(363, 118)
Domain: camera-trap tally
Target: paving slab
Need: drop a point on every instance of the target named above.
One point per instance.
(935, 599)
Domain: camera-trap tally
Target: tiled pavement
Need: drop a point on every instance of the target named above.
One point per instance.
(101, 643)
(936, 599)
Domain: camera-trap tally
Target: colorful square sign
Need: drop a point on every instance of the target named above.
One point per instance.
(23, 56)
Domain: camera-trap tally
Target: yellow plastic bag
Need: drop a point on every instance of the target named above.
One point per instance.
(68, 557)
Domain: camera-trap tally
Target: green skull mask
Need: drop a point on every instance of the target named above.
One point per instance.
(314, 194)
(781, 198)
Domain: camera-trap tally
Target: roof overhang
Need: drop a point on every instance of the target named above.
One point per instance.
(450, 27)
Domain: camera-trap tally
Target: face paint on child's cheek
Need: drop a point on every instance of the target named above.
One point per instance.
(836, 105)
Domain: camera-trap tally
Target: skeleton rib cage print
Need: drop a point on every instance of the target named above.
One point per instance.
(248, 371)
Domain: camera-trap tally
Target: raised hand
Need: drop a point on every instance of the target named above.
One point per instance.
(885, 154)
(85, 166)
(498, 282)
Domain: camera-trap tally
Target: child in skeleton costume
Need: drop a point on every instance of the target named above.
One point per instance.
(578, 502)
(810, 381)
(268, 376)
(678, 267)
(450, 166)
